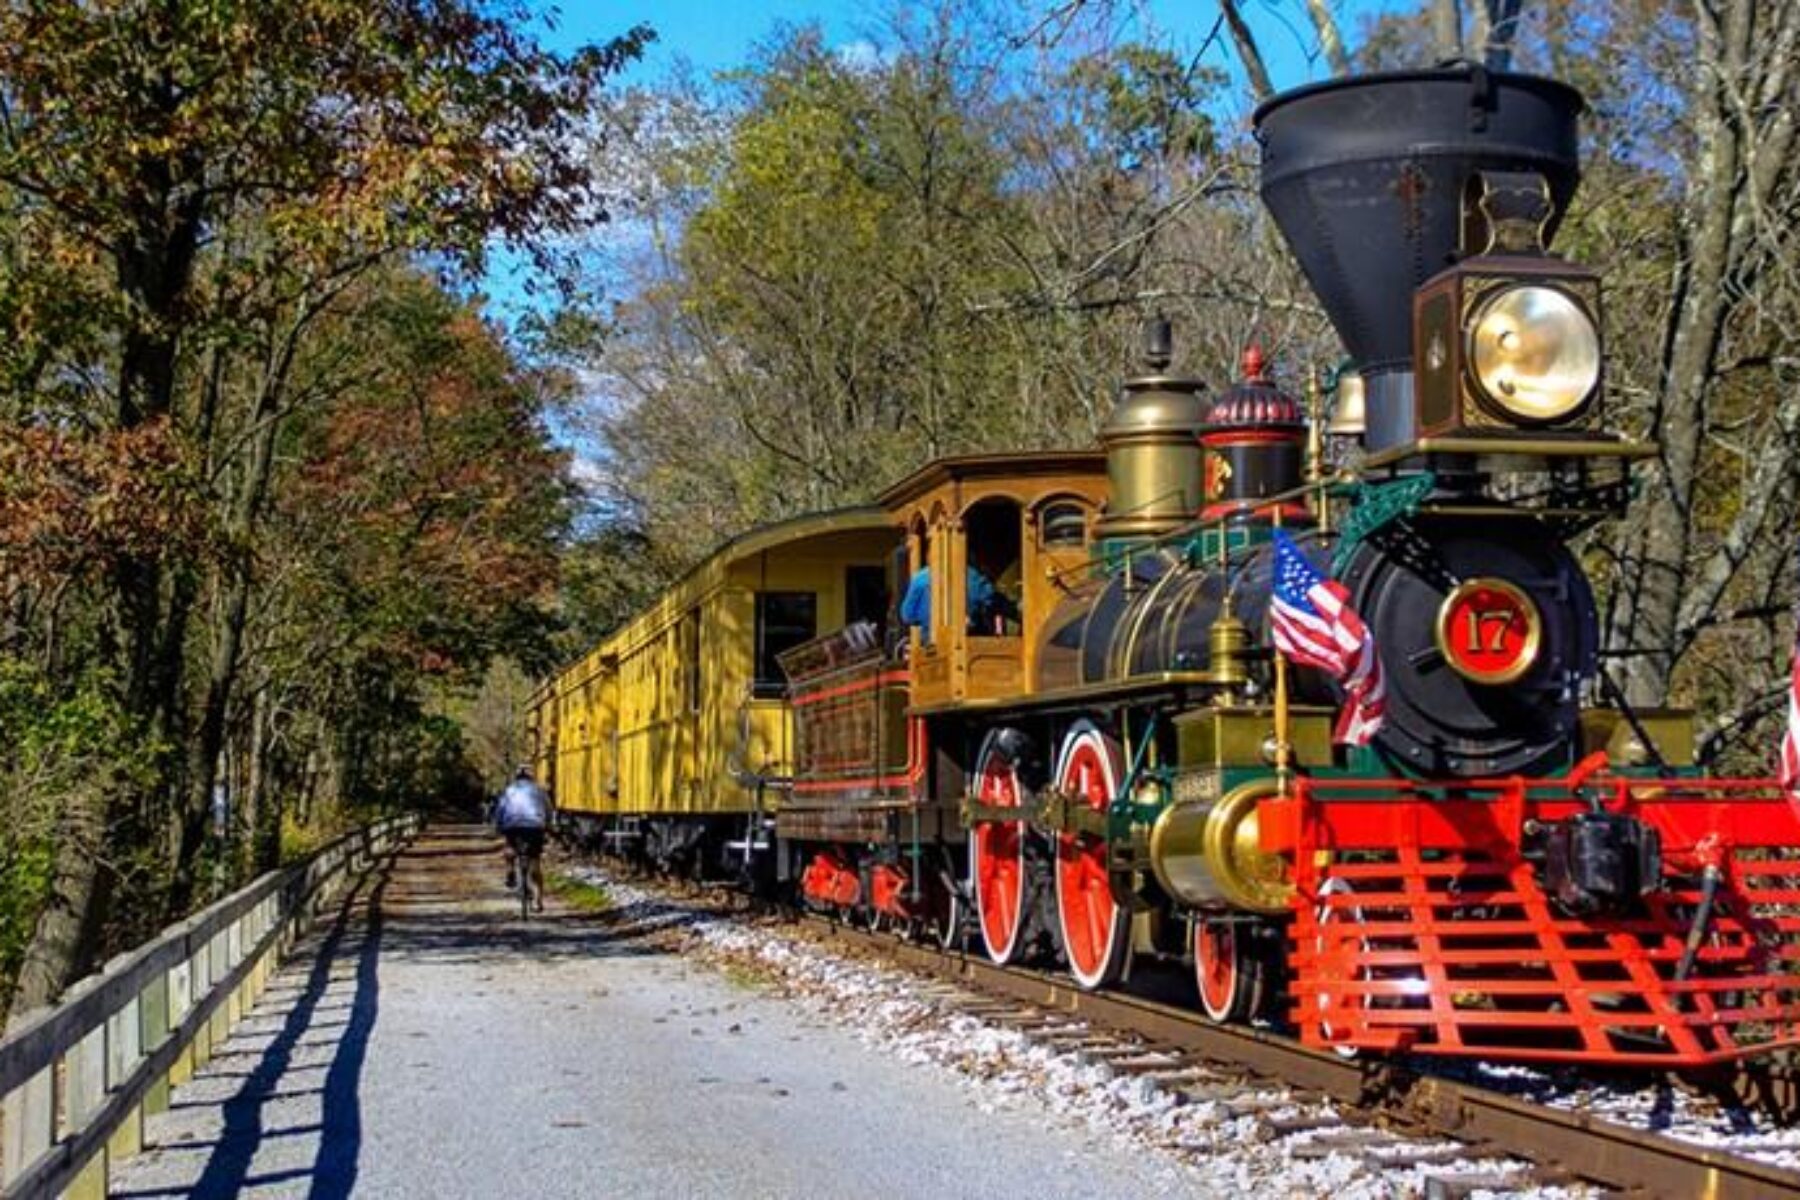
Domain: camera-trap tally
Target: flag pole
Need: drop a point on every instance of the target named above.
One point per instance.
(1283, 748)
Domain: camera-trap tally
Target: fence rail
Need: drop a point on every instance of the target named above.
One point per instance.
(77, 1080)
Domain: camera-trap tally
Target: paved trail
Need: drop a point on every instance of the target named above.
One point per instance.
(434, 1046)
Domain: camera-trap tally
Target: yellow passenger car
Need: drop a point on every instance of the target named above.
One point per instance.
(683, 710)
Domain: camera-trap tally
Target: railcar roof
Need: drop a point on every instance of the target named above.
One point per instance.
(975, 467)
(703, 574)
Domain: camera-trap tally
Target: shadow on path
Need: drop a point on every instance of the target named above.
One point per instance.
(437, 902)
(334, 1169)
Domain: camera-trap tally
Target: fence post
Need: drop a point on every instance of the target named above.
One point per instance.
(84, 1077)
(200, 980)
(153, 1030)
(218, 965)
(234, 954)
(181, 1002)
(124, 1049)
(29, 1120)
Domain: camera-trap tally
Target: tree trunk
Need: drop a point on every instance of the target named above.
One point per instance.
(1493, 31)
(1331, 41)
(1446, 28)
(66, 940)
(1248, 51)
(232, 614)
(1659, 542)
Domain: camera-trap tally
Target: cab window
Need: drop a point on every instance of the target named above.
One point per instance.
(993, 585)
(783, 621)
(1063, 525)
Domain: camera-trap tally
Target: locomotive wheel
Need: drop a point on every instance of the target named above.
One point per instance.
(1229, 973)
(997, 857)
(1096, 934)
(947, 926)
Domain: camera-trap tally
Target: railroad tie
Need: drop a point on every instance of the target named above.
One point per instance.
(1145, 1064)
(1177, 1076)
(1417, 1156)
(1112, 1054)
(1355, 1142)
(1462, 1186)
(1288, 1126)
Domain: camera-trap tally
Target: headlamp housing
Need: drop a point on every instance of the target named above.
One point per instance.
(1505, 344)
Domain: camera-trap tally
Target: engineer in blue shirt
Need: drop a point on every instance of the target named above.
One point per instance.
(986, 603)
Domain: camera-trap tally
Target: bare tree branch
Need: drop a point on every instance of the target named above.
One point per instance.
(1446, 28)
(1331, 41)
(1248, 51)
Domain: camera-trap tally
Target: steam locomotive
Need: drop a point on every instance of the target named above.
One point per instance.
(1118, 764)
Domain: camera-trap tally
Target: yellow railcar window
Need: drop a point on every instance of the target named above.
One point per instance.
(866, 595)
(783, 621)
(690, 656)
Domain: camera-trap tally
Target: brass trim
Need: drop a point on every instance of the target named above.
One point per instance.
(1534, 631)
(973, 812)
(1144, 608)
(1225, 828)
(1541, 447)
(1059, 812)
(1177, 833)
(1104, 689)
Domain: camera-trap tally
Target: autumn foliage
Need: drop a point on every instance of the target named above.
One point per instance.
(428, 501)
(267, 479)
(73, 504)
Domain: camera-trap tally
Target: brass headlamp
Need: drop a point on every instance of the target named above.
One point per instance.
(1534, 352)
(1509, 337)
(1506, 344)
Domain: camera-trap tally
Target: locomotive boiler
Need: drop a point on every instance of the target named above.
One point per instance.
(1502, 859)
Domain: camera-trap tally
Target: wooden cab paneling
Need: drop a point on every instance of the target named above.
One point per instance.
(988, 512)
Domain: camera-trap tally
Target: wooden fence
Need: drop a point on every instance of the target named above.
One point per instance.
(77, 1080)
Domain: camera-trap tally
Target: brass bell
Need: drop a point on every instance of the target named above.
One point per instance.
(1349, 415)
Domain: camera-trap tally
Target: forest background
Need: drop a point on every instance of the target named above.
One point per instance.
(289, 520)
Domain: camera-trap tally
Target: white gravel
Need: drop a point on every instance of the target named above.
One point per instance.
(1655, 1106)
(1006, 1070)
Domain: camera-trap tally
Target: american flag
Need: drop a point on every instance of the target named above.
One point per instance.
(1314, 624)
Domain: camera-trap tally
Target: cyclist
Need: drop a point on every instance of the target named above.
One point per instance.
(522, 815)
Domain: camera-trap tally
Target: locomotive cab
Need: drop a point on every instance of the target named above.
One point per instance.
(1012, 528)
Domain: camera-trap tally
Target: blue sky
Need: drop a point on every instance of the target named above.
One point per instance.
(716, 34)
(709, 36)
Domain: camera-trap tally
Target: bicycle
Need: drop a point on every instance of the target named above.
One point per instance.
(528, 853)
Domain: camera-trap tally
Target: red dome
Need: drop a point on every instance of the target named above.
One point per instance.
(1254, 402)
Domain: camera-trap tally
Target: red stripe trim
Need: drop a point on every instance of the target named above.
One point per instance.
(861, 685)
(838, 785)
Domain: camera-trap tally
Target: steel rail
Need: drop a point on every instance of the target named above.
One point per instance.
(1575, 1143)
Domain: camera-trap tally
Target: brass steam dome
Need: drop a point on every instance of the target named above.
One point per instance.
(1152, 446)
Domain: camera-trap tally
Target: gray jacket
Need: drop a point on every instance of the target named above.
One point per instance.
(523, 805)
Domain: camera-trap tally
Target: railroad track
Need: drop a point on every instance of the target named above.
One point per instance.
(1391, 1105)
(1200, 1057)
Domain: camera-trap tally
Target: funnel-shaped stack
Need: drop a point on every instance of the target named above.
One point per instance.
(1365, 177)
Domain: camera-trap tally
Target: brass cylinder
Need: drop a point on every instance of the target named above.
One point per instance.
(1153, 465)
(1207, 854)
(1227, 641)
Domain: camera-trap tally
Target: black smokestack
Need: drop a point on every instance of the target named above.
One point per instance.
(1365, 177)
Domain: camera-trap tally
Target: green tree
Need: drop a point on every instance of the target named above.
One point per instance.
(853, 266)
(188, 189)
